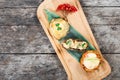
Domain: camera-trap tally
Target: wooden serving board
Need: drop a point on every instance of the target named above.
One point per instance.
(78, 20)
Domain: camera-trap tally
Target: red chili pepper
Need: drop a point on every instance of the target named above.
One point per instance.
(66, 7)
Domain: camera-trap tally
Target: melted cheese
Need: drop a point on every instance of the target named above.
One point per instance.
(62, 24)
(91, 61)
(75, 44)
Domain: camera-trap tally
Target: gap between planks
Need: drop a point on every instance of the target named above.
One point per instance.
(42, 53)
(17, 7)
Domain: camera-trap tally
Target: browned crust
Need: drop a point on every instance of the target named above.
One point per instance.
(98, 56)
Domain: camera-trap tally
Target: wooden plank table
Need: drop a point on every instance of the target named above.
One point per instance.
(26, 53)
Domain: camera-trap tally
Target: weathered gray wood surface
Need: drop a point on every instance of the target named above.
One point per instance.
(35, 3)
(31, 67)
(20, 32)
(22, 23)
(43, 67)
(27, 16)
(32, 39)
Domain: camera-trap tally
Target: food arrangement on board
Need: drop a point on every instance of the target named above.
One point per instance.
(68, 31)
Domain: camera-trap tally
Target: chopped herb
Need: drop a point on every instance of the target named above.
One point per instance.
(59, 28)
(83, 44)
(67, 42)
(92, 59)
(57, 24)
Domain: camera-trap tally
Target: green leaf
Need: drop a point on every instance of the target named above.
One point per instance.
(72, 34)
(76, 35)
(51, 15)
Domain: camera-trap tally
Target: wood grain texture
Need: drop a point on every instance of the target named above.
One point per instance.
(31, 67)
(78, 20)
(27, 16)
(98, 17)
(32, 39)
(107, 36)
(24, 39)
(44, 67)
(35, 3)
(14, 37)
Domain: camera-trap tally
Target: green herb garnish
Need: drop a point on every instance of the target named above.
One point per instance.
(58, 26)
(83, 44)
(68, 42)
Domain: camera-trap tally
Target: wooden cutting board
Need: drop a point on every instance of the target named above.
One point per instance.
(72, 67)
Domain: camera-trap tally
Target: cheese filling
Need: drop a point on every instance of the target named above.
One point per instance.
(91, 61)
(75, 44)
(59, 28)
